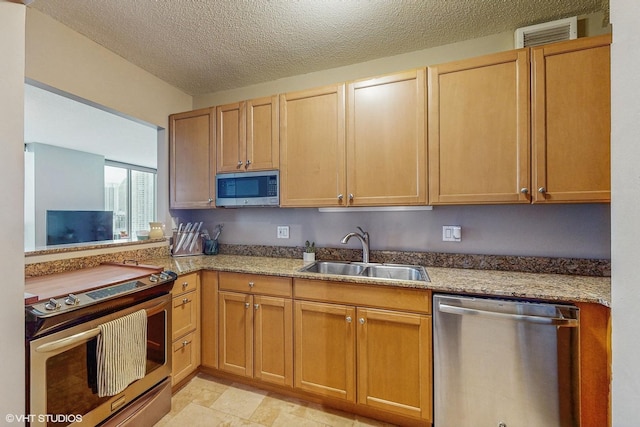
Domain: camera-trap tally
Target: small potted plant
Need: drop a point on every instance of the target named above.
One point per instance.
(309, 254)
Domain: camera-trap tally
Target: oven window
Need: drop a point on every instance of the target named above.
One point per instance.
(71, 375)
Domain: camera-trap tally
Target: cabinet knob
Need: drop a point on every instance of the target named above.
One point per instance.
(340, 197)
(350, 197)
(246, 305)
(239, 164)
(348, 319)
(251, 284)
(185, 300)
(184, 285)
(361, 320)
(185, 343)
(210, 200)
(256, 306)
(524, 190)
(542, 190)
(248, 163)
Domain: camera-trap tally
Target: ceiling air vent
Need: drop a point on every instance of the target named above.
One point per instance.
(548, 32)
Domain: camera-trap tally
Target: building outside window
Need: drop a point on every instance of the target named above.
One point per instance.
(130, 192)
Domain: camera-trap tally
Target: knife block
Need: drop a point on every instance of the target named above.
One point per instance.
(187, 248)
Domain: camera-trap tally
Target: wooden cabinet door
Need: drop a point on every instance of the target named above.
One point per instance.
(572, 121)
(386, 148)
(185, 314)
(325, 349)
(273, 340)
(192, 159)
(394, 362)
(263, 134)
(185, 357)
(312, 144)
(479, 130)
(231, 137)
(235, 335)
(209, 318)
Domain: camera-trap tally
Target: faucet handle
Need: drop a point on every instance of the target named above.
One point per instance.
(365, 235)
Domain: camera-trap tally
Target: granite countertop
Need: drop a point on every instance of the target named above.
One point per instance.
(549, 287)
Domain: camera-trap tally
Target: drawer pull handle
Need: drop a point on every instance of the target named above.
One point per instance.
(251, 284)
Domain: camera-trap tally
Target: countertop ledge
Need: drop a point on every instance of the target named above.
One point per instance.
(543, 286)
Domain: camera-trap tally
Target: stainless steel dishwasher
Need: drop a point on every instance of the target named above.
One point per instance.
(504, 363)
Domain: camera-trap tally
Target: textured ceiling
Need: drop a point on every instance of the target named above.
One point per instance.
(204, 46)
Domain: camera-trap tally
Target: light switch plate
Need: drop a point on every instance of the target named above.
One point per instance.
(451, 233)
(283, 232)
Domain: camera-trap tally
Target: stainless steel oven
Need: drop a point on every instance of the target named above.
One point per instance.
(61, 356)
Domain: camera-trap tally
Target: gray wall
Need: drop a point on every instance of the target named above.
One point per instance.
(580, 230)
(64, 180)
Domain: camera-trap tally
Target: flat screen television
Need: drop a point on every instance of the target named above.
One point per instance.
(64, 227)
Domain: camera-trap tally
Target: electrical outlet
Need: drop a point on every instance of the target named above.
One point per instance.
(283, 232)
(451, 233)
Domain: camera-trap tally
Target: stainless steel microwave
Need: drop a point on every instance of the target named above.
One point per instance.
(261, 188)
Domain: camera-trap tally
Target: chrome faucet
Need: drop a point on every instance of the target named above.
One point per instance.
(363, 236)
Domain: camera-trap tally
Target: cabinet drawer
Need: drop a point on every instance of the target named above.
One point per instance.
(255, 284)
(184, 359)
(186, 283)
(184, 314)
(390, 297)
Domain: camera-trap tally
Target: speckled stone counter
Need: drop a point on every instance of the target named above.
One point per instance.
(549, 287)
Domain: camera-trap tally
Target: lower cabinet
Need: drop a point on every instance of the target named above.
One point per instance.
(379, 357)
(185, 327)
(255, 332)
(394, 361)
(325, 356)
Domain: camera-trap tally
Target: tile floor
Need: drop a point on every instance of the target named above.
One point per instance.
(209, 401)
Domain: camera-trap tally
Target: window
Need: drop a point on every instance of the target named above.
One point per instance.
(130, 192)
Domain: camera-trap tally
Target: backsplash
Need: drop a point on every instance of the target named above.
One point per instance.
(573, 266)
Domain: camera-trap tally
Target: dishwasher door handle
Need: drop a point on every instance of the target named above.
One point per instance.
(541, 320)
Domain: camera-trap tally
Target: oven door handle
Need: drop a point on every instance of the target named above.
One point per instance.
(68, 341)
(86, 335)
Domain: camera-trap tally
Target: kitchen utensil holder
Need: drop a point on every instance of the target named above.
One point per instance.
(211, 247)
(182, 244)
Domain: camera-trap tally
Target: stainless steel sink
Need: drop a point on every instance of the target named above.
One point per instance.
(377, 271)
(334, 267)
(396, 272)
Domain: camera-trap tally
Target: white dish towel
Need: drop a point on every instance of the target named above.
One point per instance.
(121, 352)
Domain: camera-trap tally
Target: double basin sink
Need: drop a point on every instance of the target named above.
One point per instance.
(377, 271)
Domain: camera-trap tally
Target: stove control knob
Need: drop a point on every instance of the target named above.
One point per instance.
(164, 276)
(72, 300)
(153, 278)
(52, 305)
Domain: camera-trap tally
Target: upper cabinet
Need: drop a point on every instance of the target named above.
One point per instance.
(481, 116)
(572, 121)
(247, 135)
(527, 125)
(192, 159)
(312, 140)
(379, 159)
(386, 149)
(479, 130)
